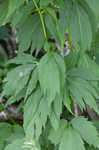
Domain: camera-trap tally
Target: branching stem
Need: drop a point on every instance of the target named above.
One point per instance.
(41, 17)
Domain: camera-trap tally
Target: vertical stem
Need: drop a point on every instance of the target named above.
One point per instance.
(41, 17)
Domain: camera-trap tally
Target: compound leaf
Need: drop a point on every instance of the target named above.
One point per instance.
(23, 144)
(71, 140)
(30, 112)
(33, 35)
(81, 31)
(56, 135)
(23, 59)
(66, 137)
(87, 130)
(13, 5)
(49, 76)
(32, 83)
(18, 77)
(81, 89)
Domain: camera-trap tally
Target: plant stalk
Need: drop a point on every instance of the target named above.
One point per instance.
(41, 17)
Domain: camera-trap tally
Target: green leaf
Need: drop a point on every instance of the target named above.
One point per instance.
(67, 99)
(81, 90)
(32, 83)
(87, 130)
(16, 98)
(66, 137)
(44, 3)
(36, 111)
(16, 145)
(30, 112)
(80, 27)
(91, 16)
(57, 104)
(13, 5)
(51, 26)
(49, 76)
(91, 148)
(84, 73)
(54, 119)
(83, 87)
(24, 59)
(43, 110)
(39, 126)
(71, 60)
(5, 131)
(2, 145)
(17, 79)
(56, 135)
(86, 62)
(94, 6)
(33, 35)
(23, 144)
(62, 68)
(21, 14)
(17, 133)
(3, 11)
(65, 15)
(77, 97)
(96, 124)
(60, 3)
(71, 140)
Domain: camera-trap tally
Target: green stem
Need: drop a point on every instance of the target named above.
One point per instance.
(41, 17)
